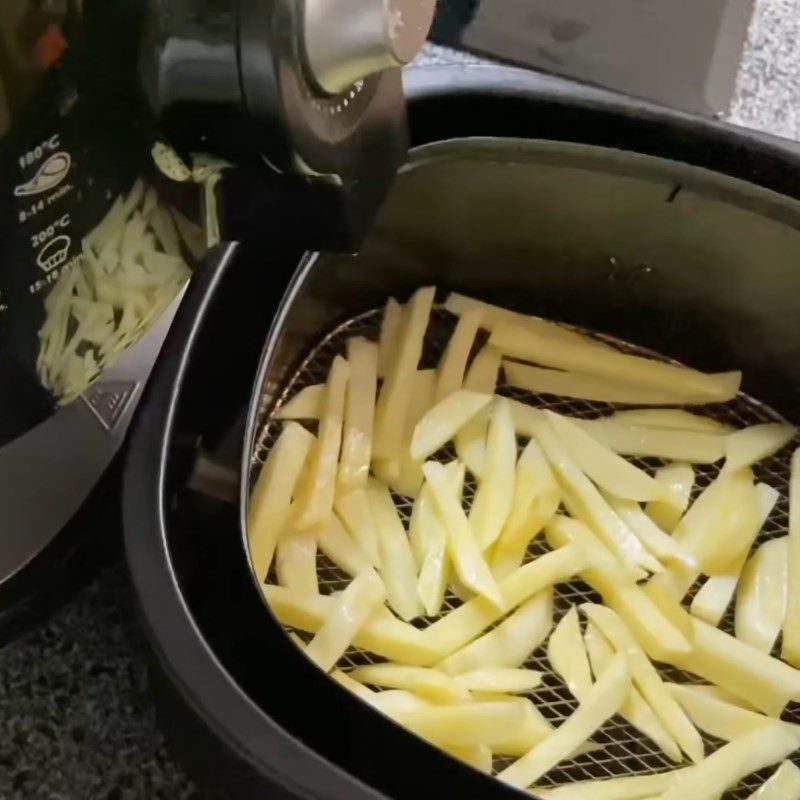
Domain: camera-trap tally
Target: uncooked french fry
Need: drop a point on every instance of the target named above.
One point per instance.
(679, 480)
(761, 596)
(296, 562)
(536, 500)
(454, 361)
(630, 787)
(783, 784)
(637, 440)
(504, 680)
(567, 655)
(672, 419)
(471, 438)
(383, 634)
(466, 724)
(718, 693)
(609, 471)
(495, 495)
(510, 643)
(728, 765)
(391, 408)
(635, 708)
(442, 422)
(471, 619)
(306, 404)
(315, 504)
(397, 562)
(342, 549)
(425, 682)
(478, 756)
(362, 357)
(391, 328)
(585, 502)
(601, 702)
(534, 728)
(528, 345)
(751, 445)
(588, 387)
(790, 650)
(462, 546)
(647, 680)
(355, 514)
(358, 689)
(272, 495)
(347, 615)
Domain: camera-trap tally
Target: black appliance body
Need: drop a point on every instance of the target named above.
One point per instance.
(670, 231)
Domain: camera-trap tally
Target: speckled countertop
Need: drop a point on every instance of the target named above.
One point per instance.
(76, 721)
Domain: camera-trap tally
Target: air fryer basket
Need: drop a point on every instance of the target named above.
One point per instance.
(658, 256)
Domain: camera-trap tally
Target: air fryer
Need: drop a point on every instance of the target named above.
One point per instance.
(667, 231)
(134, 136)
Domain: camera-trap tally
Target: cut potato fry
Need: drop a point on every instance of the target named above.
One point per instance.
(672, 419)
(567, 655)
(272, 495)
(648, 681)
(470, 620)
(716, 717)
(631, 787)
(653, 629)
(783, 784)
(718, 693)
(355, 514)
(466, 724)
(462, 546)
(397, 562)
(761, 680)
(347, 615)
(471, 438)
(392, 405)
(383, 634)
(306, 404)
(790, 650)
(495, 494)
(728, 765)
(442, 422)
(601, 702)
(679, 480)
(751, 445)
(534, 729)
(672, 445)
(527, 345)
(588, 387)
(635, 708)
(391, 328)
(608, 470)
(761, 597)
(478, 756)
(362, 357)
(356, 688)
(315, 504)
(500, 679)
(296, 562)
(453, 364)
(425, 682)
(584, 501)
(536, 500)
(342, 549)
(510, 643)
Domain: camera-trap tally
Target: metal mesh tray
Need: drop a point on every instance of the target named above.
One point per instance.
(624, 751)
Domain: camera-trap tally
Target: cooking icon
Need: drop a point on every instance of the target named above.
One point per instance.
(48, 176)
(54, 253)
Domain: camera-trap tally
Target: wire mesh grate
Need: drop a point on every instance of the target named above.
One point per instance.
(625, 751)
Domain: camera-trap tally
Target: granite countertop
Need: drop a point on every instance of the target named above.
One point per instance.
(77, 721)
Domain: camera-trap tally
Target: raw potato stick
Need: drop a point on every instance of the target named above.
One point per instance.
(728, 765)
(454, 361)
(567, 655)
(783, 784)
(342, 549)
(306, 404)
(362, 356)
(631, 787)
(355, 514)
(348, 613)
(527, 345)
(499, 679)
(601, 702)
(390, 411)
(296, 562)
(478, 756)
(510, 643)
(495, 494)
(444, 420)
(790, 650)
(272, 495)
(534, 729)
(672, 419)
(429, 684)
(679, 480)
(316, 504)
(390, 333)
(751, 445)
